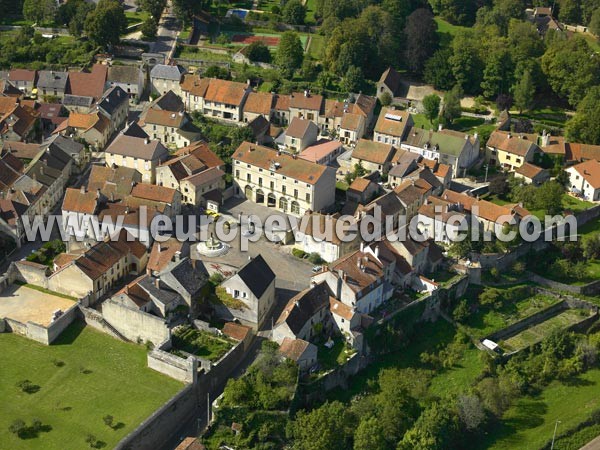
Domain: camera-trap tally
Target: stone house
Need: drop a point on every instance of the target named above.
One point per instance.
(392, 126)
(306, 106)
(249, 295)
(303, 353)
(509, 151)
(584, 180)
(390, 82)
(164, 78)
(281, 181)
(114, 105)
(93, 128)
(143, 155)
(323, 152)
(258, 104)
(131, 79)
(373, 156)
(318, 235)
(51, 83)
(97, 270)
(23, 79)
(299, 135)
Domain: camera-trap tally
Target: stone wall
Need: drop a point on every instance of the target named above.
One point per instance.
(134, 324)
(592, 288)
(156, 430)
(28, 272)
(39, 333)
(185, 370)
(95, 320)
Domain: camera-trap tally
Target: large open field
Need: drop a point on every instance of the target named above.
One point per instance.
(83, 377)
(529, 424)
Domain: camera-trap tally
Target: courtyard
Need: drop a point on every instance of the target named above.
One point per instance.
(25, 304)
(80, 379)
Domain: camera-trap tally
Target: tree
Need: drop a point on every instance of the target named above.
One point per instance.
(369, 435)
(571, 68)
(594, 24)
(185, 9)
(385, 99)
(585, 125)
(353, 79)
(421, 39)
(523, 92)
(294, 12)
(549, 197)
(591, 246)
(467, 65)
(39, 10)
(258, 51)
(108, 420)
(106, 23)
(217, 72)
(497, 74)
(455, 11)
(326, 427)
(289, 53)
(149, 28)
(17, 427)
(569, 12)
(470, 411)
(435, 429)
(451, 109)
(154, 7)
(431, 104)
(504, 102)
(438, 70)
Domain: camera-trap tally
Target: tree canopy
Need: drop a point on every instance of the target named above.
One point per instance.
(105, 24)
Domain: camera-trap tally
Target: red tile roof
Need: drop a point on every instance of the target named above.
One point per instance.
(259, 103)
(88, 84)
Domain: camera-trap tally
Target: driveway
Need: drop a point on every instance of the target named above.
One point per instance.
(166, 36)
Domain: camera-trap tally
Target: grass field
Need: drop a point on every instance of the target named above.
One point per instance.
(188, 52)
(200, 343)
(485, 322)
(99, 376)
(542, 330)
(446, 31)
(529, 424)
(553, 117)
(429, 337)
(317, 46)
(134, 18)
(270, 38)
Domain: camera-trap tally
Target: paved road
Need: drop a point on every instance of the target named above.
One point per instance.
(166, 37)
(592, 445)
(197, 422)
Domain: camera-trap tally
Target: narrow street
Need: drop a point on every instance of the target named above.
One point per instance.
(166, 37)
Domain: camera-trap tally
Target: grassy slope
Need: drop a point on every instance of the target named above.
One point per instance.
(71, 402)
(530, 422)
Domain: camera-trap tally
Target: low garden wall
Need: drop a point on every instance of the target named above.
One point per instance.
(39, 333)
(156, 430)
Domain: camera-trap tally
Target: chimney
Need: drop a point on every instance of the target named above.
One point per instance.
(377, 252)
(146, 141)
(82, 189)
(159, 248)
(306, 92)
(157, 283)
(362, 247)
(177, 255)
(340, 279)
(98, 193)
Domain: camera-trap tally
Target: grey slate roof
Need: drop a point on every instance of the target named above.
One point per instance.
(49, 79)
(77, 100)
(65, 144)
(124, 74)
(257, 275)
(112, 99)
(169, 101)
(183, 277)
(134, 130)
(165, 72)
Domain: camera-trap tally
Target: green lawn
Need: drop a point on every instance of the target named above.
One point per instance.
(553, 117)
(487, 321)
(592, 227)
(542, 330)
(317, 46)
(311, 7)
(330, 358)
(189, 52)
(446, 31)
(429, 337)
(529, 424)
(423, 122)
(574, 204)
(100, 376)
(200, 343)
(134, 18)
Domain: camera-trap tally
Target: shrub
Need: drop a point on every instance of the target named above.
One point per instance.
(298, 253)
(315, 258)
